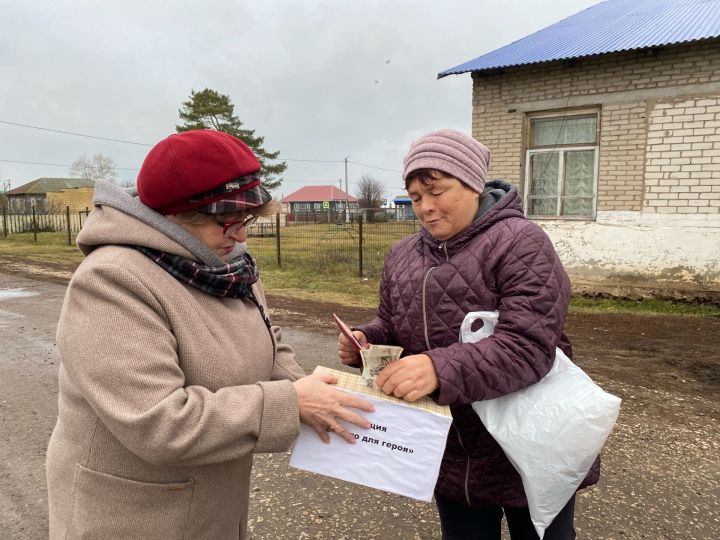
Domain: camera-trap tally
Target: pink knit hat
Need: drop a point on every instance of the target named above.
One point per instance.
(453, 153)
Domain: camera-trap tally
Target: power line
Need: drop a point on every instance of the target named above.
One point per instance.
(288, 180)
(73, 133)
(314, 160)
(373, 166)
(111, 139)
(313, 181)
(59, 164)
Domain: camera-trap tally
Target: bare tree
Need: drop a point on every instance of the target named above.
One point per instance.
(370, 191)
(99, 167)
(126, 183)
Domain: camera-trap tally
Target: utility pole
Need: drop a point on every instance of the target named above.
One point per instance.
(346, 181)
(340, 184)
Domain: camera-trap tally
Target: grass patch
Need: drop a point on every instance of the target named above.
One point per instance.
(321, 264)
(646, 306)
(338, 289)
(51, 248)
(331, 248)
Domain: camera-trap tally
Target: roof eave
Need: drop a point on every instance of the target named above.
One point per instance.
(497, 69)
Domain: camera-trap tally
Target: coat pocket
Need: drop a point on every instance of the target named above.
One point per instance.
(108, 506)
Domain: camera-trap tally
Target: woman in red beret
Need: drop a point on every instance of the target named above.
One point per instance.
(172, 375)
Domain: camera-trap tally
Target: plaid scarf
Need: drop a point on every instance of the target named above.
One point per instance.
(233, 279)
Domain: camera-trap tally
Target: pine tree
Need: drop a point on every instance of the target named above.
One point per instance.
(208, 109)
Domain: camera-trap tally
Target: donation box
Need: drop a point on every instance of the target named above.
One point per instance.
(400, 453)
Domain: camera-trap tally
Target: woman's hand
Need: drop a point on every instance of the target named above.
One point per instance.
(321, 406)
(409, 378)
(347, 352)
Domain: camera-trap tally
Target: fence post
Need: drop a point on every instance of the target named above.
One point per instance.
(277, 239)
(360, 244)
(80, 213)
(5, 225)
(34, 225)
(67, 222)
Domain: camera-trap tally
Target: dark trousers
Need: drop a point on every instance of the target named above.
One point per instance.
(460, 522)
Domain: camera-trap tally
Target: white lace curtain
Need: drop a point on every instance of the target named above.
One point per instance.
(574, 187)
(567, 130)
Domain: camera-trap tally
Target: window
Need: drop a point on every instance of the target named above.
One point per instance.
(561, 166)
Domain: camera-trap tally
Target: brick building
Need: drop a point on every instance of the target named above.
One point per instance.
(608, 122)
(77, 199)
(52, 195)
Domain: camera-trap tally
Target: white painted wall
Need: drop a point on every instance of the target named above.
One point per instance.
(674, 255)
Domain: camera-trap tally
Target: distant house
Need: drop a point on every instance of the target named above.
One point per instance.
(52, 195)
(317, 199)
(608, 122)
(403, 207)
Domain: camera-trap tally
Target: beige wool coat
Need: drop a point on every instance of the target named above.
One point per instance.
(165, 394)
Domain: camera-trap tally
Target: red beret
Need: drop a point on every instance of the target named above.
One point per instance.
(188, 164)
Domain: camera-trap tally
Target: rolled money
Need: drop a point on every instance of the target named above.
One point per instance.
(376, 358)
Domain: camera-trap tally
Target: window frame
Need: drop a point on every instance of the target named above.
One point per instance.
(562, 150)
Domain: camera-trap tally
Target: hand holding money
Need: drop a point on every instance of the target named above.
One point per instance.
(376, 358)
(347, 351)
(409, 378)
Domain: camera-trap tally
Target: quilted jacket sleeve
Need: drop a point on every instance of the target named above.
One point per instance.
(534, 296)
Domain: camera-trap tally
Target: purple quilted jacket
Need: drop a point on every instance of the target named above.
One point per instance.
(500, 262)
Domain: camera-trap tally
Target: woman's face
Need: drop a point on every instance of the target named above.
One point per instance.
(212, 233)
(444, 206)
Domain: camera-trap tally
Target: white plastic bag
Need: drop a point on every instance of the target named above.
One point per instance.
(551, 431)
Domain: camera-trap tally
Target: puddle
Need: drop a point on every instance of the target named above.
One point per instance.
(7, 316)
(15, 293)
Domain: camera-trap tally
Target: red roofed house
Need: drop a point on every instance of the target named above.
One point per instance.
(318, 202)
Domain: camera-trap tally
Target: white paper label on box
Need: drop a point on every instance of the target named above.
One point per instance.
(400, 453)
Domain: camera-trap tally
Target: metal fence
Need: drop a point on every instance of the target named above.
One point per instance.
(41, 221)
(325, 242)
(329, 242)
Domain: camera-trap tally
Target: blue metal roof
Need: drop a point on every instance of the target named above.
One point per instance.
(610, 26)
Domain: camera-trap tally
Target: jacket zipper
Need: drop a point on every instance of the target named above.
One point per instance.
(424, 308)
(467, 465)
(442, 247)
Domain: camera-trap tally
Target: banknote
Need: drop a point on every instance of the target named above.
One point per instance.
(375, 358)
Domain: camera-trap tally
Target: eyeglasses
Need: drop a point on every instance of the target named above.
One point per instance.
(231, 228)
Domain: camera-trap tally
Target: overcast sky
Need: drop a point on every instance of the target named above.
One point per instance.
(320, 80)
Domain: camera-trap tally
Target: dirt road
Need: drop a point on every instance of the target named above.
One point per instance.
(661, 468)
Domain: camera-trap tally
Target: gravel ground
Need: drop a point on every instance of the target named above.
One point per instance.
(661, 466)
